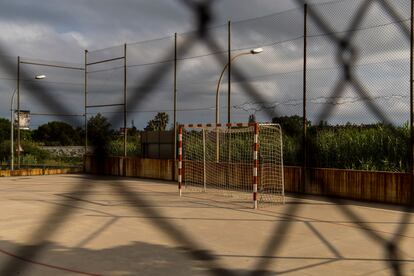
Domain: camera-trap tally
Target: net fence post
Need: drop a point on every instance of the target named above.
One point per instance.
(125, 102)
(204, 161)
(304, 181)
(255, 162)
(411, 121)
(175, 105)
(18, 112)
(180, 158)
(85, 88)
(229, 72)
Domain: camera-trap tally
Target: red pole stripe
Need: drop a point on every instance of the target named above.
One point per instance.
(221, 125)
(255, 162)
(180, 157)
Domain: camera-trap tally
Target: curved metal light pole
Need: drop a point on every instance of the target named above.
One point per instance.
(37, 77)
(251, 52)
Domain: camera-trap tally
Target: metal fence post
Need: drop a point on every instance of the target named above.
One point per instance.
(86, 100)
(175, 104)
(18, 112)
(305, 126)
(125, 101)
(229, 73)
(411, 150)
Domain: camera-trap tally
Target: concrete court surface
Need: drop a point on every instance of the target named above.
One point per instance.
(82, 225)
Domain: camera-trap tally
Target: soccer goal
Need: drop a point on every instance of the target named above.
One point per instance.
(235, 160)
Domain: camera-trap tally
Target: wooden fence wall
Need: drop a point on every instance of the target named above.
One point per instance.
(385, 187)
(131, 166)
(32, 172)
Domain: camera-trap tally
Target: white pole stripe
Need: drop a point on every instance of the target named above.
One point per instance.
(254, 188)
(179, 178)
(254, 171)
(256, 138)
(180, 166)
(180, 137)
(255, 155)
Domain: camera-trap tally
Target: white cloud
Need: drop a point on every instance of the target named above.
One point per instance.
(14, 32)
(80, 39)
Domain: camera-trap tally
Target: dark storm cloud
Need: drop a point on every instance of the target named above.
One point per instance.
(61, 30)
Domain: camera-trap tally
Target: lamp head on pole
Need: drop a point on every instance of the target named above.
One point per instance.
(40, 77)
(256, 51)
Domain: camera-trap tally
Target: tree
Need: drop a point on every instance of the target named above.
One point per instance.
(252, 118)
(4, 129)
(291, 125)
(99, 130)
(159, 122)
(57, 134)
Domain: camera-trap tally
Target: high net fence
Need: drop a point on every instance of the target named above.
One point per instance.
(325, 95)
(296, 80)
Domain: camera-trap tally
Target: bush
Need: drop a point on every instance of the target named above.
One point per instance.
(116, 148)
(5, 150)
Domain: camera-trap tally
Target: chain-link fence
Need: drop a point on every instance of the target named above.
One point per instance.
(336, 76)
(293, 77)
(31, 142)
(298, 67)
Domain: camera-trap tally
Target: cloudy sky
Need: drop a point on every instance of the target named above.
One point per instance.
(58, 32)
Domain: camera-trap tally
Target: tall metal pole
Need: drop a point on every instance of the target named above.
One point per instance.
(229, 73)
(175, 103)
(305, 135)
(229, 98)
(411, 157)
(204, 161)
(18, 112)
(86, 100)
(125, 100)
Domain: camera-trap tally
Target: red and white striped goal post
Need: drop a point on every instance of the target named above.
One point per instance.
(255, 151)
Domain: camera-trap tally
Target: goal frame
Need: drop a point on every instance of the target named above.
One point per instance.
(255, 152)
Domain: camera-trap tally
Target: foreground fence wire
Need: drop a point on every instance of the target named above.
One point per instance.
(352, 73)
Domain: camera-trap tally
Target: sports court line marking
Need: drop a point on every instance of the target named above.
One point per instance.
(81, 199)
(315, 258)
(47, 265)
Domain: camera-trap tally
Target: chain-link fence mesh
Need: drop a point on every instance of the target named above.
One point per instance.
(348, 135)
(357, 88)
(353, 137)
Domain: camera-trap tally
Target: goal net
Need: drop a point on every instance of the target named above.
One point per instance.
(236, 160)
